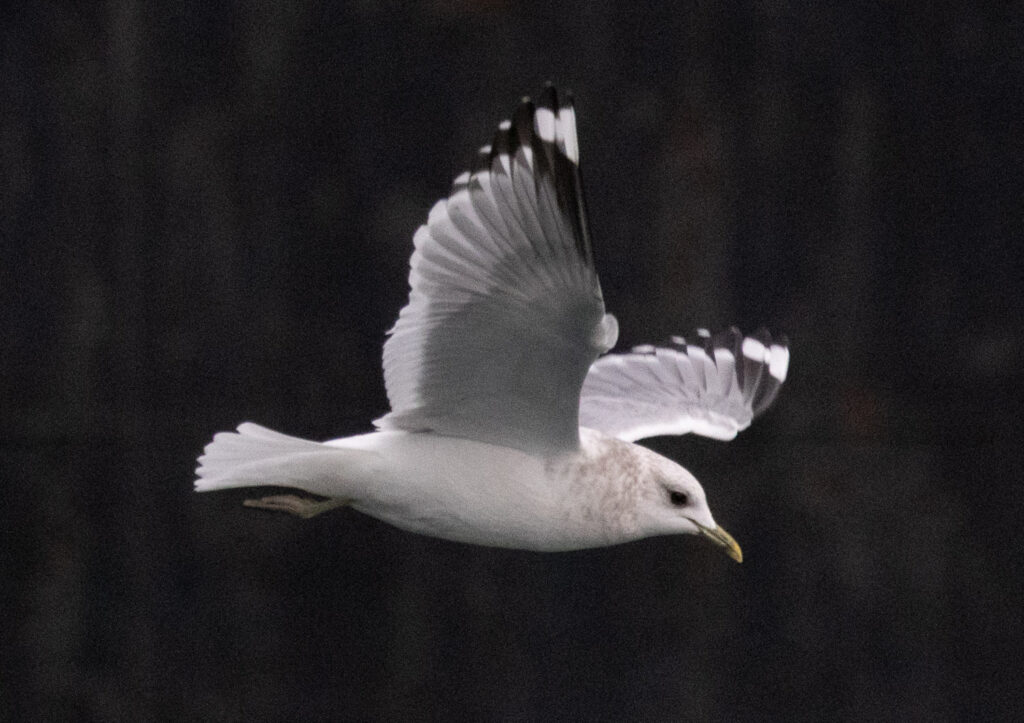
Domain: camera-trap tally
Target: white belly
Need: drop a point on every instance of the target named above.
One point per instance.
(463, 490)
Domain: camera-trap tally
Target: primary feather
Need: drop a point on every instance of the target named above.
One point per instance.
(708, 385)
(503, 272)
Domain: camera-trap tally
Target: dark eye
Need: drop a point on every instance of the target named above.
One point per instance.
(679, 499)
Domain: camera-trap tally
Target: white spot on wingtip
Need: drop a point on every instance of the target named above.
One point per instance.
(778, 364)
(505, 125)
(753, 349)
(568, 142)
(544, 124)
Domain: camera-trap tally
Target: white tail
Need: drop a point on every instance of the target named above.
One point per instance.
(255, 456)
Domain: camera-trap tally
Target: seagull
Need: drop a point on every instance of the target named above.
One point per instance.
(510, 426)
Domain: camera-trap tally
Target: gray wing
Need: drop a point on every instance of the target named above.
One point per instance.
(712, 386)
(505, 313)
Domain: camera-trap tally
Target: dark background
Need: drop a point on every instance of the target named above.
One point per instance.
(207, 214)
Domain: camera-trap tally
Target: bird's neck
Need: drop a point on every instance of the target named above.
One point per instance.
(603, 481)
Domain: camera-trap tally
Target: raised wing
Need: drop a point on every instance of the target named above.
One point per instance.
(505, 313)
(709, 385)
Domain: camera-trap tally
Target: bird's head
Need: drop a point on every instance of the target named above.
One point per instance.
(673, 502)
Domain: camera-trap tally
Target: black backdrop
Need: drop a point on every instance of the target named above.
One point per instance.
(207, 213)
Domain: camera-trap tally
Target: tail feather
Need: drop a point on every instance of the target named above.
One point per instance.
(253, 456)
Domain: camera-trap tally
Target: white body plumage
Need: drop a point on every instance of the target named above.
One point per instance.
(606, 492)
(494, 365)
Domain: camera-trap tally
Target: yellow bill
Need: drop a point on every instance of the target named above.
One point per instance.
(723, 539)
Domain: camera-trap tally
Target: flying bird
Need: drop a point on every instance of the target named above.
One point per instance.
(510, 426)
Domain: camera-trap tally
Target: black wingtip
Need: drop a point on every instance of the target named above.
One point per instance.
(547, 159)
(553, 98)
(548, 98)
(522, 121)
(768, 383)
(755, 375)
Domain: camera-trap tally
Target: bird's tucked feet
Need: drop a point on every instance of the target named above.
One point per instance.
(304, 507)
